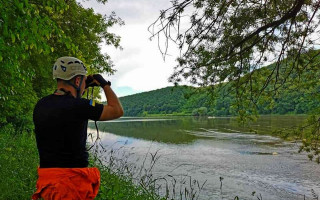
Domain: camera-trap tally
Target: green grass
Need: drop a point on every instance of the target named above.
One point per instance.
(114, 186)
(19, 162)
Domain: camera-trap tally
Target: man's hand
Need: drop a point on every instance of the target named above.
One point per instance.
(90, 82)
(101, 81)
(96, 80)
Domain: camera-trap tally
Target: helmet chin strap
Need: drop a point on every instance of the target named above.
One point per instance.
(75, 87)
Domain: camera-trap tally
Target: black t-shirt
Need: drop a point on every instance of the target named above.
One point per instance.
(61, 130)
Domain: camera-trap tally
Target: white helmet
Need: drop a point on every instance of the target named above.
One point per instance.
(66, 68)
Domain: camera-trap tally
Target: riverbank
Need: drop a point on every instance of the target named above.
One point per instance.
(19, 162)
(211, 116)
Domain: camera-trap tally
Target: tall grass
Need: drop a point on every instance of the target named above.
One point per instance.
(18, 172)
(119, 160)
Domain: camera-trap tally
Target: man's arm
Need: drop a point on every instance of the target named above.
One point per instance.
(113, 109)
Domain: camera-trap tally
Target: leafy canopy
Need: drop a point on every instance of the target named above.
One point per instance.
(224, 40)
(33, 34)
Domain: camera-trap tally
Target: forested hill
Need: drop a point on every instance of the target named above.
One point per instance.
(178, 100)
(289, 93)
(169, 100)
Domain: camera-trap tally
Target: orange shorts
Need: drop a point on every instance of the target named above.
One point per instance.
(67, 183)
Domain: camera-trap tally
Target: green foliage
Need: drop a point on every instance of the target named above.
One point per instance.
(33, 34)
(163, 101)
(18, 162)
(229, 41)
(200, 111)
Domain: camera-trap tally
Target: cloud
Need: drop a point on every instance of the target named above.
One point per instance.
(139, 65)
(132, 11)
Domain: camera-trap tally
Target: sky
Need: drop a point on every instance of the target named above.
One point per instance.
(140, 65)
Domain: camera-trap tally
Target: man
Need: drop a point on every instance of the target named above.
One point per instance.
(61, 121)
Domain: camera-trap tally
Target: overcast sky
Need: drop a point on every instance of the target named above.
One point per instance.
(140, 66)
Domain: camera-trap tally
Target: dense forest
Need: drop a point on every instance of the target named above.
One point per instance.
(296, 97)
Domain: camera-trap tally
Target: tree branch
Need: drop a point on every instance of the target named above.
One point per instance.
(290, 14)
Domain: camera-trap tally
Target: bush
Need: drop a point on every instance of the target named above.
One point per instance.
(202, 111)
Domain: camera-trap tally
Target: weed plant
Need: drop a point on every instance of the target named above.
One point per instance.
(119, 161)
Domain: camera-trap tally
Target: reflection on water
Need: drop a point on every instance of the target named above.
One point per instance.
(160, 130)
(183, 130)
(208, 149)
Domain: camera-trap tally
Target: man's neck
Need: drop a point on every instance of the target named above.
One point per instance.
(63, 89)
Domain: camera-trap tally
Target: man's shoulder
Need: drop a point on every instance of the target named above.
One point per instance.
(65, 100)
(55, 99)
(44, 99)
(81, 100)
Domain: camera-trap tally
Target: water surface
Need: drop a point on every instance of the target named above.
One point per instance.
(211, 150)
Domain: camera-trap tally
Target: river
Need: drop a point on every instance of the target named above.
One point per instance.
(213, 158)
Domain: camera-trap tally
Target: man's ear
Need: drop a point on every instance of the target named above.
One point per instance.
(77, 81)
